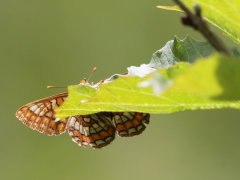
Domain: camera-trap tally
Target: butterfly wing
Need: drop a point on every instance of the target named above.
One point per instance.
(129, 124)
(39, 115)
(95, 130)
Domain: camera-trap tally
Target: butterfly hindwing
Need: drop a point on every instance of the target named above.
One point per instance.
(129, 124)
(95, 130)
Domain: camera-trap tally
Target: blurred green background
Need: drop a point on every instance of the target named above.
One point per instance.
(47, 42)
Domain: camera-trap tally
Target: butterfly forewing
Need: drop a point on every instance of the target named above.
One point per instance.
(129, 124)
(95, 130)
(39, 115)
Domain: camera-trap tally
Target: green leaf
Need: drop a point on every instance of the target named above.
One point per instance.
(189, 92)
(222, 14)
(76, 95)
(192, 86)
(217, 77)
(186, 50)
(209, 83)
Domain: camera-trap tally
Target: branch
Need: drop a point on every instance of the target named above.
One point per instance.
(198, 23)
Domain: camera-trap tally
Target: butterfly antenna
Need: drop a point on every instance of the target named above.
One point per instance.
(94, 69)
(84, 81)
(49, 87)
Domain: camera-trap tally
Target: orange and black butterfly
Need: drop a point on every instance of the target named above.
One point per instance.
(96, 130)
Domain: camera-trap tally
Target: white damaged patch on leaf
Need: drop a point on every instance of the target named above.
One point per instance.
(157, 82)
(141, 71)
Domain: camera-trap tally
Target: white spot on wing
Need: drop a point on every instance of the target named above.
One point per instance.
(37, 111)
(77, 125)
(57, 119)
(33, 108)
(76, 139)
(72, 121)
(81, 129)
(84, 143)
(70, 133)
(92, 144)
(54, 103)
(86, 131)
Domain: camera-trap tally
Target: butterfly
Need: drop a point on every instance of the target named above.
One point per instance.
(96, 130)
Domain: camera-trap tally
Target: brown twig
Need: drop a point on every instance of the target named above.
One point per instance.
(198, 23)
